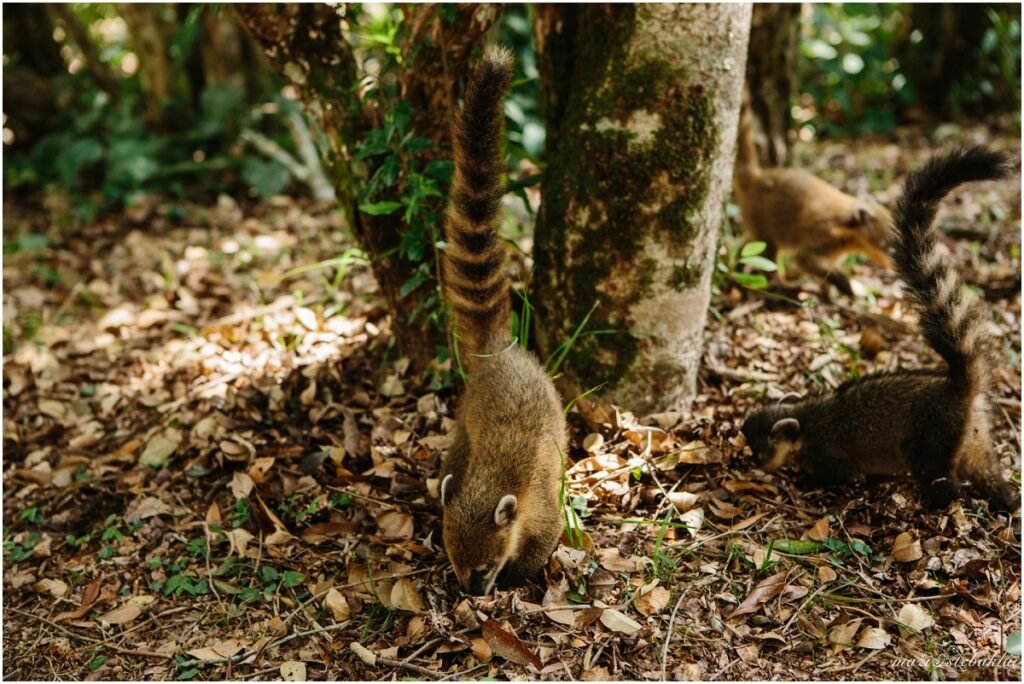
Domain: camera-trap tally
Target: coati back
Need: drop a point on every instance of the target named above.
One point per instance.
(792, 210)
(934, 423)
(500, 479)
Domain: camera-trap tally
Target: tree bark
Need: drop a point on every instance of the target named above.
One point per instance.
(306, 45)
(771, 76)
(947, 61)
(634, 195)
(149, 35)
(32, 67)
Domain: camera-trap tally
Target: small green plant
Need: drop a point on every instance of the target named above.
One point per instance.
(188, 669)
(31, 515)
(663, 563)
(339, 500)
(241, 514)
(572, 527)
(739, 255)
(18, 552)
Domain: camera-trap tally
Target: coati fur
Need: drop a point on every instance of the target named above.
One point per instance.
(500, 479)
(794, 211)
(933, 423)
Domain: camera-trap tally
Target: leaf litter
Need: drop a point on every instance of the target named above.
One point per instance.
(213, 471)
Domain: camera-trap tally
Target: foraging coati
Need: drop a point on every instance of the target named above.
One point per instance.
(933, 423)
(500, 479)
(792, 210)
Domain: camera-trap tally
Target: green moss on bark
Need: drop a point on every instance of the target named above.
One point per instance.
(637, 172)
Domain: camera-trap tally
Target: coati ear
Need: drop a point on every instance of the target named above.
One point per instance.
(505, 511)
(446, 485)
(789, 426)
(860, 216)
(789, 398)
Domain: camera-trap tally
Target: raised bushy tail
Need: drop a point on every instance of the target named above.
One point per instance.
(475, 281)
(952, 324)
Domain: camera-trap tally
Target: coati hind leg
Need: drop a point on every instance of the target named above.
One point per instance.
(978, 466)
(930, 465)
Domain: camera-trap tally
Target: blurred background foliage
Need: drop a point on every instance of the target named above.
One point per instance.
(106, 104)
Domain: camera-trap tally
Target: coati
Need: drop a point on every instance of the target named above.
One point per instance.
(933, 423)
(794, 211)
(500, 479)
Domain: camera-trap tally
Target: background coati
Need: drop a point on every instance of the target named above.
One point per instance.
(794, 211)
(933, 423)
(500, 479)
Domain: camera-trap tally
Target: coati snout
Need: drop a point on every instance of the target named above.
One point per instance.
(478, 547)
(773, 437)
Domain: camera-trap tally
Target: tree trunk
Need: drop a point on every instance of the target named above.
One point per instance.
(149, 36)
(944, 63)
(771, 76)
(634, 195)
(555, 30)
(32, 67)
(305, 44)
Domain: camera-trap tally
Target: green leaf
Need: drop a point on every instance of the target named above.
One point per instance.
(753, 248)
(755, 281)
(797, 547)
(290, 578)
(759, 262)
(380, 208)
(1013, 643)
(97, 662)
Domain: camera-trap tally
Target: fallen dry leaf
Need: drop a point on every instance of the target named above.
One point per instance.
(654, 601)
(90, 595)
(241, 485)
(395, 526)
(337, 604)
(764, 590)
(509, 646)
(55, 588)
(293, 671)
(906, 549)
(122, 615)
(481, 649)
(160, 448)
(611, 559)
(873, 638)
(820, 530)
(618, 622)
(843, 635)
(915, 617)
(405, 596)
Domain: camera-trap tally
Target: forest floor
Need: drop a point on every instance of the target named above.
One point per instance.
(213, 468)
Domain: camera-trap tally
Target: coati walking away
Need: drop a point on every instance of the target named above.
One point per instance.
(934, 423)
(500, 479)
(794, 211)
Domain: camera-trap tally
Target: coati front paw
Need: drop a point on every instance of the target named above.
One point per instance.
(939, 493)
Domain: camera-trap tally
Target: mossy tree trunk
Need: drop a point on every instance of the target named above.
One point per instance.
(634, 195)
(307, 46)
(771, 76)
